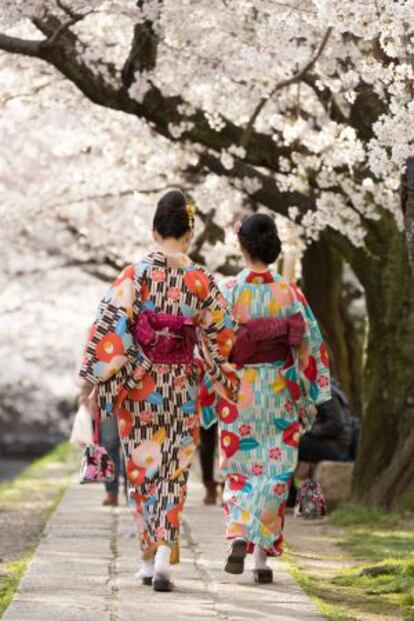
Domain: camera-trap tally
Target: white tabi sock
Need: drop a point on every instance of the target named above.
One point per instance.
(162, 561)
(147, 569)
(259, 558)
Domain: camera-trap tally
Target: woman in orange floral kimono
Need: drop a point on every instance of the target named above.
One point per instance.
(140, 358)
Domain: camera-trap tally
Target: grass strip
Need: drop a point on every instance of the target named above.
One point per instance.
(382, 584)
(48, 477)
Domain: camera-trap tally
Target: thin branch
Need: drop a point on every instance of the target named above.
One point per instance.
(283, 84)
(67, 9)
(160, 111)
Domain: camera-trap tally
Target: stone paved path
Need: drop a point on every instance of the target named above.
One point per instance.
(84, 570)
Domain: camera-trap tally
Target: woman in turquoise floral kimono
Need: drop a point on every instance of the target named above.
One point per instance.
(284, 373)
(140, 361)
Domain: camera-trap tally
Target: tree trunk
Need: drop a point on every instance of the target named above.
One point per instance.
(322, 268)
(384, 472)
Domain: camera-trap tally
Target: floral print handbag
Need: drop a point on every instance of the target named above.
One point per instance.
(310, 501)
(96, 465)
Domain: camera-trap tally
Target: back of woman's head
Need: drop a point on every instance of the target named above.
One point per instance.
(172, 218)
(258, 236)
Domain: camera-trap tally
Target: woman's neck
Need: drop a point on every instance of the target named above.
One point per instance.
(171, 246)
(257, 266)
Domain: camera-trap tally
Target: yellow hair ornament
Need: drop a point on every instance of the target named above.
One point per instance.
(191, 210)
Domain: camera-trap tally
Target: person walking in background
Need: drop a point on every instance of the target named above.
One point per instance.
(284, 374)
(207, 450)
(140, 362)
(110, 440)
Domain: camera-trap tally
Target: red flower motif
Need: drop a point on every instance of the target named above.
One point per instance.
(227, 412)
(180, 382)
(311, 370)
(109, 346)
(323, 381)
(257, 469)
(229, 443)
(128, 272)
(225, 340)
(197, 282)
(289, 406)
(237, 481)
(245, 430)
(324, 355)
(145, 388)
(279, 489)
(135, 474)
(146, 417)
(207, 397)
(174, 514)
(173, 293)
(291, 435)
(158, 275)
(275, 452)
(230, 284)
(125, 422)
(294, 389)
(145, 292)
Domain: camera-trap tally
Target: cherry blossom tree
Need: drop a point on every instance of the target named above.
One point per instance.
(302, 107)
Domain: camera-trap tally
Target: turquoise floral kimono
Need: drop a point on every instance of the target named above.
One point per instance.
(259, 436)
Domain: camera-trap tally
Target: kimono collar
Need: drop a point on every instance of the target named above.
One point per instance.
(160, 259)
(258, 278)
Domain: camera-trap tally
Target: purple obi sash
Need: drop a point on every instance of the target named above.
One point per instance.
(164, 338)
(267, 339)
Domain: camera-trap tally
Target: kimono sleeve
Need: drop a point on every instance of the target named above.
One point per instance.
(216, 344)
(110, 346)
(312, 355)
(217, 335)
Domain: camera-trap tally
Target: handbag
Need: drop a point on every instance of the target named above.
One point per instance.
(82, 432)
(96, 465)
(310, 501)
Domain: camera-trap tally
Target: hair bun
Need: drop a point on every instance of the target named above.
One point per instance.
(258, 236)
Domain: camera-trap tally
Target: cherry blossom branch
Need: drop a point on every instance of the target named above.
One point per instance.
(297, 77)
(163, 112)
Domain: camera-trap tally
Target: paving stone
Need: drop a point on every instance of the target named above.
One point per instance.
(84, 570)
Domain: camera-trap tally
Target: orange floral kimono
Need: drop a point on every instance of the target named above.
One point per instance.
(156, 404)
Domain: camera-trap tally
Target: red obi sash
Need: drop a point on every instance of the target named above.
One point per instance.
(164, 338)
(267, 339)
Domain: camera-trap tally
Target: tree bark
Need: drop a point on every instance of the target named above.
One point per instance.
(322, 269)
(384, 472)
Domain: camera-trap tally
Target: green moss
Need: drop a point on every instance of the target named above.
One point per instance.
(384, 584)
(320, 591)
